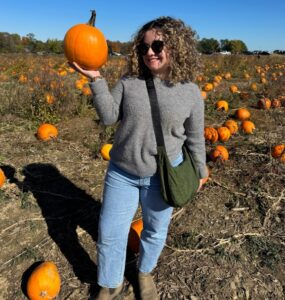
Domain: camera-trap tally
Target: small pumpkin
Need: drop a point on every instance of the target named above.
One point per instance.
(44, 282)
(247, 126)
(105, 151)
(208, 87)
(2, 177)
(232, 125)
(222, 105)
(134, 235)
(275, 103)
(254, 87)
(219, 153)
(264, 103)
(211, 134)
(277, 150)
(242, 114)
(47, 132)
(86, 45)
(233, 88)
(228, 76)
(224, 133)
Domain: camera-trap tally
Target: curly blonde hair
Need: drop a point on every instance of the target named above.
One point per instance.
(181, 42)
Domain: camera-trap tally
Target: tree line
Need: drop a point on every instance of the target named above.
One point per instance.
(14, 43)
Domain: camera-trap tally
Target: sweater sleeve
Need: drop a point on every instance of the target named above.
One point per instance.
(194, 127)
(107, 104)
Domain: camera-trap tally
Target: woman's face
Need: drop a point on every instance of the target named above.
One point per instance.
(157, 61)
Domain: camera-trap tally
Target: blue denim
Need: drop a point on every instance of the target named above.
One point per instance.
(122, 194)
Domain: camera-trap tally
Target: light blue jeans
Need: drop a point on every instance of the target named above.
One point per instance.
(123, 193)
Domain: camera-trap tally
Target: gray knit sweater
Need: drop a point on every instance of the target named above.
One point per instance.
(134, 148)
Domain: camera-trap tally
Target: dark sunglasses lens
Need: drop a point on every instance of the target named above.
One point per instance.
(143, 48)
(157, 46)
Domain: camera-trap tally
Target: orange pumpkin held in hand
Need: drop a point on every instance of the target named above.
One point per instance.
(2, 177)
(44, 282)
(134, 235)
(86, 45)
(47, 132)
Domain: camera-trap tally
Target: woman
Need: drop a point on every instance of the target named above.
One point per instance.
(164, 48)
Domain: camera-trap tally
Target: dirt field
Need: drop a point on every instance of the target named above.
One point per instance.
(228, 244)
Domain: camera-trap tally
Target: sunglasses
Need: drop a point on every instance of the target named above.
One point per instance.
(156, 46)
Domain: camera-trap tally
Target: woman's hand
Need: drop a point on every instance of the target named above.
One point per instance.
(200, 185)
(88, 73)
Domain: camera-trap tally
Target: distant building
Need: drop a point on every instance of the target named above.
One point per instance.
(225, 52)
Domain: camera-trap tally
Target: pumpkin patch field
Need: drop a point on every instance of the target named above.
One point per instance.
(229, 243)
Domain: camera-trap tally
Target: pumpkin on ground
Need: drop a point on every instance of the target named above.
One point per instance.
(86, 45)
(219, 153)
(105, 151)
(233, 88)
(232, 125)
(224, 133)
(134, 235)
(208, 87)
(222, 105)
(277, 150)
(247, 126)
(264, 103)
(44, 282)
(47, 132)
(242, 114)
(275, 103)
(211, 134)
(2, 177)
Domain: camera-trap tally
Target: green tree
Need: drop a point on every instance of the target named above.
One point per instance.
(208, 46)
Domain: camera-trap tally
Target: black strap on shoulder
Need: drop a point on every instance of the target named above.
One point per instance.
(155, 114)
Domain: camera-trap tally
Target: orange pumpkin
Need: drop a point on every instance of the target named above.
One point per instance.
(222, 105)
(208, 87)
(211, 134)
(105, 151)
(47, 132)
(228, 76)
(135, 235)
(44, 282)
(233, 88)
(86, 45)
(254, 87)
(242, 114)
(204, 95)
(264, 103)
(219, 153)
(277, 150)
(224, 133)
(2, 177)
(232, 126)
(247, 127)
(275, 103)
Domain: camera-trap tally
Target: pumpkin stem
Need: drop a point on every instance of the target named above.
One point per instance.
(91, 21)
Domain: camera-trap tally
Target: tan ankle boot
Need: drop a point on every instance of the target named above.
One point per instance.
(147, 287)
(109, 293)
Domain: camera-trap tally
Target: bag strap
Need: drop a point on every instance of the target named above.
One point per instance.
(155, 113)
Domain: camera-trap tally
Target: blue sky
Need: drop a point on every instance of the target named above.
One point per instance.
(258, 23)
